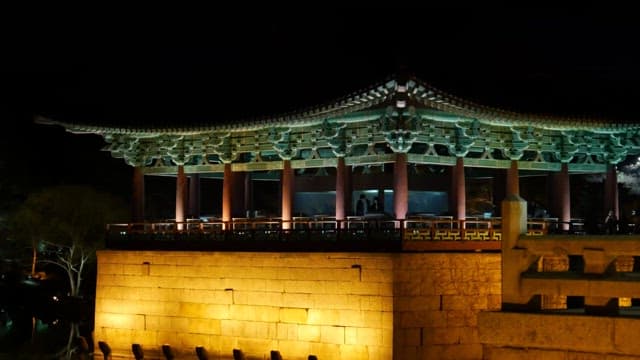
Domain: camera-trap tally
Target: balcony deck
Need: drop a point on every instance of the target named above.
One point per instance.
(322, 233)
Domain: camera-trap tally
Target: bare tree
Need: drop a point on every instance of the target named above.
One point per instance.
(65, 225)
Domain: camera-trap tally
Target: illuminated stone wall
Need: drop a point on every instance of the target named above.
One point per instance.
(437, 298)
(334, 305)
(331, 305)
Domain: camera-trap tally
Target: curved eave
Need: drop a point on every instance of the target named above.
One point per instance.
(429, 96)
(348, 108)
(355, 107)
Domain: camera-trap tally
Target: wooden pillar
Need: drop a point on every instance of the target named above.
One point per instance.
(194, 195)
(341, 169)
(137, 201)
(499, 190)
(238, 206)
(248, 193)
(611, 191)
(460, 190)
(400, 186)
(562, 196)
(381, 200)
(513, 181)
(181, 196)
(287, 194)
(348, 190)
(227, 188)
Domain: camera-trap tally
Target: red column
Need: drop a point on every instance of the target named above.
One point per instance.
(181, 196)
(611, 191)
(348, 190)
(287, 194)
(194, 195)
(513, 181)
(238, 206)
(400, 186)
(499, 190)
(137, 201)
(227, 195)
(460, 190)
(248, 192)
(563, 196)
(340, 189)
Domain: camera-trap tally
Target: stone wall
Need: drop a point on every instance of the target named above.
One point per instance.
(437, 298)
(333, 305)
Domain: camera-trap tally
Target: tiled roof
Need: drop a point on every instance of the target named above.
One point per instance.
(417, 92)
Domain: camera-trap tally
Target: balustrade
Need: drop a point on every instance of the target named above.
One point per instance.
(605, 278)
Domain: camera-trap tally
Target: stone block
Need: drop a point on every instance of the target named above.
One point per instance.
(112, 268)
(157, 322)
(351, 335)
(374, 303)
(271, 285)
(286, 331)
(293, 315)
(179, 324)
(334, 301)
(256, 348)
(380, 352)
(144, 337)
(377, 275)
(369, 336)
(323, 317)
(258, 298)
(562, 332)
(297, 300)
(304, 286)
(254, 313)
(625, 335)
(338, 287)
(291, 349)
(462, 318)
(203, 326)
(324, 351)
(458, 352)
(369, 319)
(510, 353)
(309, 333)
(241, 284)
(332, 334)
(387, 320)
(120, 321)
(355, 352)
(227, 344)
(408, 352)
(165, 337)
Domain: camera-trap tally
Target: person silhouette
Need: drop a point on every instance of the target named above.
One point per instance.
(362, 206)
(611, 223)
(375, 205)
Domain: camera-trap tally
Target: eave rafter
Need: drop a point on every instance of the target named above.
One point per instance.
(408, 117)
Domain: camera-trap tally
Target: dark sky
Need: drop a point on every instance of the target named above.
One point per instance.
(217, 65)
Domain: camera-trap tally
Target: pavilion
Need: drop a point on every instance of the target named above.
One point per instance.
(398, 136)
(384, 130)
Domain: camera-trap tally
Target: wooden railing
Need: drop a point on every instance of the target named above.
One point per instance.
(414, 233)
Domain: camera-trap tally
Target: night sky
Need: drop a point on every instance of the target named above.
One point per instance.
(215, 66)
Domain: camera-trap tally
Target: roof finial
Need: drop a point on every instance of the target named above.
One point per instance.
(402, 72)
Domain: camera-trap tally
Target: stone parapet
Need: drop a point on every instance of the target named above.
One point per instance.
(536, 336)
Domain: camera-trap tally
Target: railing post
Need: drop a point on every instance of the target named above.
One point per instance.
(624, 263)
(514, 260)
(554, 263)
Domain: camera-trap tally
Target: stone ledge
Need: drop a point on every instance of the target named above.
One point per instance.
(578, 333)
